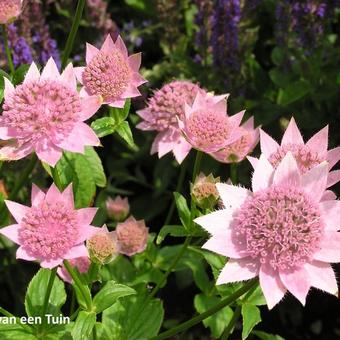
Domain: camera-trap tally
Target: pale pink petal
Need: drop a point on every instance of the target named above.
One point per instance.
(322, 276)
(297, 282)
(78, 71)
(50, 71)
(328, 196)
(145, 114)
(253, 161)
(131, 91)
(263, 174)
(72, 142)
(162, 144)
(54, 195)
(108, 45)
(135, 61)
(138, 79)
(268, 144)
(6, 133)
(271, 285)
(77, 251)
(91, 52)
(120, 103)
(9, 88)
(217, 222)
(68, 197)
(11, 232)
(249, 124)
(50, 264)
(314, 181)
(32, 74)
(330, 248)
(83, 93)
(333, 178)
(238, 270)
(333, 156)
(226, 245)
(86, 231)
(330, 213)
(145, 126)
(292, 134)
(319, 142)
(14, 152)
(237, 118)
(89, 106)
(86, 215)
(232, 196)
(48, 153)
(17, 210)
(37, 195)
(68, 77)
(287, 172)
(85, 134)
(121, 46)
(22, 254)
(181, 150)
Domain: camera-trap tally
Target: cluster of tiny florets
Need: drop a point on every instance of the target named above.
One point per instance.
(168, 103)
(107, 75)
(101, 246)
(280, 226)
(49, 231)
(205, 190)
(305, 157)
(9, 8)
(39, 108)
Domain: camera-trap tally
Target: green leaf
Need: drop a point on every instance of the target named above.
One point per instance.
(79, 294)
(104, 126)
(19, 74)
(119, 115)
(17, 335)
(120, 270)
(293, 92)
(251, 317)
(96, 166)
(124, 131)
(257, 298)
(84, 325)
(183, 210)
(218, 321)
(2, 83)
(172, 230)
(130, 318)
(109, 294)
(267, 336)
(36, 291)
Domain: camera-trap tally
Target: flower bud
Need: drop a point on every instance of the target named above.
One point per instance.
(118, 209)
(9, 10)
(81, 263)
(132, 236)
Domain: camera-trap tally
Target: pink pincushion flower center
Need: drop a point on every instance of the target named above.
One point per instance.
(9, 8)
(40, 108)
(305, 157)
(168, 103)
(131, 237)
(205, 190)
(49, 231)
(101, 246)
(107, 75)
(208, 129)
(281, 226)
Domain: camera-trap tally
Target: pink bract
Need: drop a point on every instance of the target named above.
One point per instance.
(161, 114)
(9, 10)
(117, 209)
(81, 263)
(111, 73)
(206, 125)
(282, 231)
(51, 230)
(307, 155)
(46, 115)
(243, 146)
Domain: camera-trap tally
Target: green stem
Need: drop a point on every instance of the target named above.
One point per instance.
(79, 284)
(7, 50)
(233, 173)
(6, 313)
(48, 292)
(73, 302)
(228, 330)
(3, 311)
(73, 32)
(197, 165)
(94, 333)
(197, 319)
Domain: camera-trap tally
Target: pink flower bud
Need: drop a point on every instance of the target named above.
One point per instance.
(81, 263)
(118, 209)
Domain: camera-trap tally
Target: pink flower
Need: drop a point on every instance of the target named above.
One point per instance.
(161, 115)
(238, 150)
(45, 114)
(51, 230)
(81, 263)
(206, 125)
(111, 72)
(102, 246)
(117, 209)
(132, 236)
(307, 155)
(281, 232)
(9, 10)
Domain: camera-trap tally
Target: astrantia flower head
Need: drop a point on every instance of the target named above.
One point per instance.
(81, 263)
(9, 10)
(132, 236)
(161, 115)
(51, 230)
(117, 209)
(111, 72)
(45, 114)
(206, 125)
(238, 150)
(307, 155)
(102, 246)
(282, 231)
(204, 191)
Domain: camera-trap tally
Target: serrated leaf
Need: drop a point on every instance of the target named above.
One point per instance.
(124, 131)
(104, 126)
(96, 166)
(172, 230)
(293, 92)
(120, 114)
(84, 325)
(109, 294)
(183, 210)
(36, 291)
(251, 317)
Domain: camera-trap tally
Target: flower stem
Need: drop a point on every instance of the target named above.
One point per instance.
(197, 165)
(77, 281)
(233, 173)
(75, 25)
(7, 50)
(197, 319)
(48, 293)
(231, 324)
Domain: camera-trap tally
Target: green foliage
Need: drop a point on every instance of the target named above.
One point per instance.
(251, 317)
(84, 325)
(183, 210)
